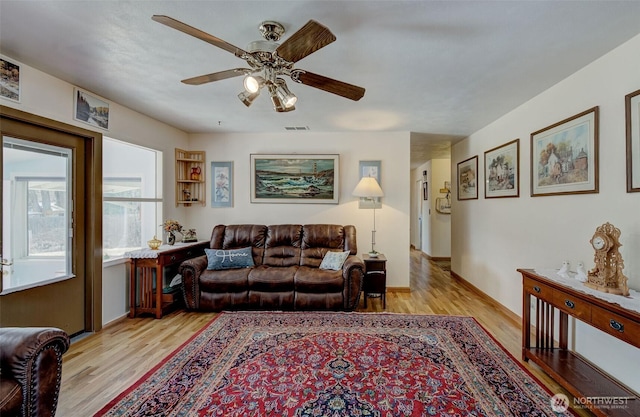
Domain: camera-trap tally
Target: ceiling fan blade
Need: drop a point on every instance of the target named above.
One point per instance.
(217, 76)
(190, 30)
(350, 91)
(305, 41)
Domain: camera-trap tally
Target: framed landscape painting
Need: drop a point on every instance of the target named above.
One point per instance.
(90, 109)
(467, 179)
(310, 179)
(632, 104)
(502, 171)
(222, 184)
(9, 79)
(564, 156)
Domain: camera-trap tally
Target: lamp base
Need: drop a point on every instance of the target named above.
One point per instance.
(373, 254)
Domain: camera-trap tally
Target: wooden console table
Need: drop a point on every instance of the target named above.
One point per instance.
(146, 268)
(550, 350)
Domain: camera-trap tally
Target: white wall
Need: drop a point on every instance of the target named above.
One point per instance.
(491, 238)
(50, 97)
(436, 227)
(392, 220)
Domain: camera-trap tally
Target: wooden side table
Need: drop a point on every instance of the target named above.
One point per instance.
(375, 277)
(146, 276)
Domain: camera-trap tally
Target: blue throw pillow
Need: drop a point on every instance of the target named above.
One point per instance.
(229, 258)
(334, 260)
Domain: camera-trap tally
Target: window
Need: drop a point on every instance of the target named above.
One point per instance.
(36, 205)
(132, 191)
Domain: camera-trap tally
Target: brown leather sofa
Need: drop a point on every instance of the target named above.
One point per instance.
(286, 275)
(30, 370)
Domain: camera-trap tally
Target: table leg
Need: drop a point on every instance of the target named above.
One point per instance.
(159, 291)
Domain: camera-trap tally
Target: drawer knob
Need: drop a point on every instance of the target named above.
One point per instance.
(569, 303)
(617, 326)
(173, 257)
(189, 253)
(536, 289)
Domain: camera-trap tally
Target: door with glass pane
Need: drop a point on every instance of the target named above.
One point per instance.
(43, 281)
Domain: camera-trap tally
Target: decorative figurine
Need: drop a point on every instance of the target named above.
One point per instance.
(607, 275)
(581, 274)
(564, 270)
(195, 173)
(189, 236)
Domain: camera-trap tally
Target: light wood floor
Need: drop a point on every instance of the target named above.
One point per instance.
(97, 368)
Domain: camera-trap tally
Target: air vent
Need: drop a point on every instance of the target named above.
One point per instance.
(296, 128)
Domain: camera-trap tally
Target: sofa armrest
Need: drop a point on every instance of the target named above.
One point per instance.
(33, 357)
(353, 274)
(191, 270)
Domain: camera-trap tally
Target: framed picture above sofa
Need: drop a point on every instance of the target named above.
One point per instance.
(222, 184)
(295, 178)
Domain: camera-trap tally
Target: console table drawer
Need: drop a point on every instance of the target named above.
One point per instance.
(572, 305)
(616, 325)
(176, 257)
(538, 289)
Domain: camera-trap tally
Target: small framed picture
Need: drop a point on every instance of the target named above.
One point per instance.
(502, 171)
(467, 179)
(222, 184)
(9, 79)
(91, 109)
(370, 169)
(632, 105)
(564, 156)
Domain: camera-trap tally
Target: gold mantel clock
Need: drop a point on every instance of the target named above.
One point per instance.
(607, 275)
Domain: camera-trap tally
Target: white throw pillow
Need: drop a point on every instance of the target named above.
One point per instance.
(334, 260)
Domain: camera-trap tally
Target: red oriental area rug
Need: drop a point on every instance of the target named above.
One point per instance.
(336, 364)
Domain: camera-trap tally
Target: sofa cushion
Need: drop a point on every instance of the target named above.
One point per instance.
(317, 240)
(334, 260)
(229, 258)
(314, 280)
(282, 245)
(228, 280)
(272, 279)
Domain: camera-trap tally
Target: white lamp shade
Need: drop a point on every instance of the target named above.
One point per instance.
(368, 187)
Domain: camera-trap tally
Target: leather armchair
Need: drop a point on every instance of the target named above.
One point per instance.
(30, 370)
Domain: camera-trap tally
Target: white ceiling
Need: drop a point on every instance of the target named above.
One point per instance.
(441, 69)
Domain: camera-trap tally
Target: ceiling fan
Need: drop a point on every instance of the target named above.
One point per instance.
(268, 61)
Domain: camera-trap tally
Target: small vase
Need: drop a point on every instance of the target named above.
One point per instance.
(171, 238)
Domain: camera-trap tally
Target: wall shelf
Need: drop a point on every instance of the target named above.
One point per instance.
(190, 178)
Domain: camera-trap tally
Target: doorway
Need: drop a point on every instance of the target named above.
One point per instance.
(51, 223)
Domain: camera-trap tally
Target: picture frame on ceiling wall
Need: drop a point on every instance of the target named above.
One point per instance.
(502, 171)
(90, 109)
(370, 169)
(467, 179)
(222, 184)
(632, 110)
(295, 178)
(9, 79)
(564, 156)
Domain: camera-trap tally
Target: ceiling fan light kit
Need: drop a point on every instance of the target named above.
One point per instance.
(269, 61)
